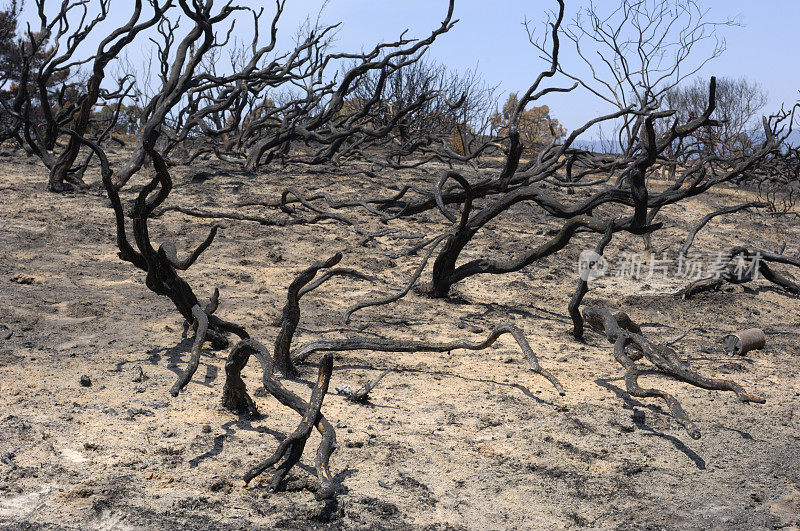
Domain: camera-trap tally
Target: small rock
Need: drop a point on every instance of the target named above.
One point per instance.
(86, 381)
(138, 374)
(206, 428)
(344, 389)
(23, 279)
(135, 412)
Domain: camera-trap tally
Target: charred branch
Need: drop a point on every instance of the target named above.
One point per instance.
(623, 333)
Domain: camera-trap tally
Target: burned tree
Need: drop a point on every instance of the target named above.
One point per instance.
(51, 94)
(343, 104)
(162, 265)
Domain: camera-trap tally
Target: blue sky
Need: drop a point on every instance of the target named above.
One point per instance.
(490, 36)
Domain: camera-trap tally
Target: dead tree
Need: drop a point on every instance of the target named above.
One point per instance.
(646, 154)
(630, 346)
(249, 118)
(637, 52)
(161, 266)
(624, 204)
(51, 96)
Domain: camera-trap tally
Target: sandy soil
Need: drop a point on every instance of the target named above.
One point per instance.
(458, 440)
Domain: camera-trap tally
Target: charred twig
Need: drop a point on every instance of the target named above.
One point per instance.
(237, 216)
(671, 341)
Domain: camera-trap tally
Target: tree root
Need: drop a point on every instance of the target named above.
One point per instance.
(623, 333)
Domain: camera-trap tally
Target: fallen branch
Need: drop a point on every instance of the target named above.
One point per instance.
(399, 345)
(623, 333)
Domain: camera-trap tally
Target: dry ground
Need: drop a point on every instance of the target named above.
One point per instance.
(459, 440)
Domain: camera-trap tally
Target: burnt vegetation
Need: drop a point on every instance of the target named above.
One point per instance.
(69, 94)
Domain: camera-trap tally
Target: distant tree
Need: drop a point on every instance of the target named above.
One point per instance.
(122, 119)
(449, 110)
(8, 32)
(26, 83)
(737, 109)
(630, 53)
(536, 126)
